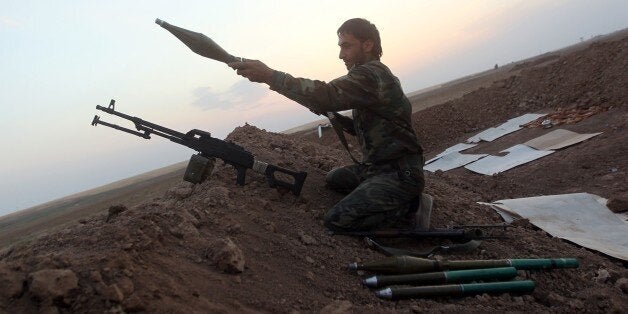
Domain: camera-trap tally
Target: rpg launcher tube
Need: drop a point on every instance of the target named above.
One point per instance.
(393, 293)
(410, 265)
(452, 276)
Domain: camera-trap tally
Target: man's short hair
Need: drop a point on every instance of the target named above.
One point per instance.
(363, 30)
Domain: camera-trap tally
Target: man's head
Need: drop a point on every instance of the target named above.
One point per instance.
(359, 42)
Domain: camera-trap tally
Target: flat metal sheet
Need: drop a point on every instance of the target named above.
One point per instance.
(456, 148)
(517, 155)
(451, 161)
(557, 139)
(507, 127)
(581, 218)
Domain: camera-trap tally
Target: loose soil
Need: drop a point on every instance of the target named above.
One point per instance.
(219, 247)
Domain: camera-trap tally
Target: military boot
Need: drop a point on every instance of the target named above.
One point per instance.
(424, 212)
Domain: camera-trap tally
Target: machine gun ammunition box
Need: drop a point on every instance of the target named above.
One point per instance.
(199, 168)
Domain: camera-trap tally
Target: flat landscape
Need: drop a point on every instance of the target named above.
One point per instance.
(154, 243)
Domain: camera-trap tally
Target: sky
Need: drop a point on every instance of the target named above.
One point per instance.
(59, 59)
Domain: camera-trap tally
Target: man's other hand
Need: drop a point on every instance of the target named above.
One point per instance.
(254, 70)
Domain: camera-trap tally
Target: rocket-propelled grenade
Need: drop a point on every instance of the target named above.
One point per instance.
(452, 276)
(199, 43)
(409, 264)
(523, 286)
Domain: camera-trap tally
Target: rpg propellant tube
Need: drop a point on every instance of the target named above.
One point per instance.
(523, 286)
(452, 276)
(409, 264)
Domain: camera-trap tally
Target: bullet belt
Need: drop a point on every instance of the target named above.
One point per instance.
(404, 164)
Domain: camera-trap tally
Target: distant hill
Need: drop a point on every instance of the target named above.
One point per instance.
(39, 219)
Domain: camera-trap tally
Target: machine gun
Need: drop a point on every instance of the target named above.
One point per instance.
(464, 232)
(471, 235)
(208, 148)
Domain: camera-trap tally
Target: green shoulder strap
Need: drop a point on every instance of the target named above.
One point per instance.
(341, 135)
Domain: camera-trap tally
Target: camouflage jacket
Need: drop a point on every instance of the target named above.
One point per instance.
(381, 111)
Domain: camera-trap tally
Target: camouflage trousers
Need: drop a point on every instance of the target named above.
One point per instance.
(377, 196)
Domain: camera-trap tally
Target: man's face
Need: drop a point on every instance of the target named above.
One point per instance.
(352, 51)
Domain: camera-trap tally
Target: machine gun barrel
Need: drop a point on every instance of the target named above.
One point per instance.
(97, 121)
(140, 125)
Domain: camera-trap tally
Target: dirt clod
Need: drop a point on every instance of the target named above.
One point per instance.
(52, 284)
(226, 255)
(115, 210)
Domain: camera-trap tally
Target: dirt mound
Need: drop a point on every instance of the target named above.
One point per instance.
(219, 247)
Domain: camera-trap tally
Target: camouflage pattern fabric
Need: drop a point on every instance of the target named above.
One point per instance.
(377, 196)
(381, 111)
(382, 187)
